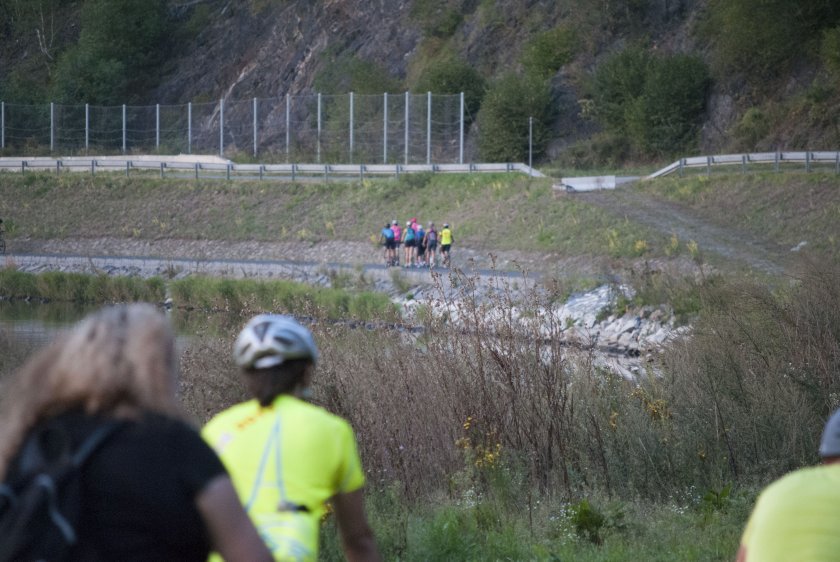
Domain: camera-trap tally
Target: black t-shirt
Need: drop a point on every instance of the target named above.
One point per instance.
(139, 491)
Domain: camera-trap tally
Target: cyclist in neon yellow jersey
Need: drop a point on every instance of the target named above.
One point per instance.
(796, 517)
(287, 457)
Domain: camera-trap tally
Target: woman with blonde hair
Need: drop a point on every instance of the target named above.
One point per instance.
(152, 490)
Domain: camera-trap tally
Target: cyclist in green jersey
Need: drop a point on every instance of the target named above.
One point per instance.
(287, 457)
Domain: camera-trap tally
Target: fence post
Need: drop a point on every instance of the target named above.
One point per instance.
(428, 127)
(123, 134)
(222, 127)
(52, 127)
(288, 123)
(255, 127)
(461, 133)
(530, 144)
(87, 128)
(2, 124)
(157, 128)
(385, 128)
(406, 126)
(318, 147)
(351, 127)
(189, 128)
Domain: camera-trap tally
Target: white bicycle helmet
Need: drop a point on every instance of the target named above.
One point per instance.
(830, 442)
(268, 340)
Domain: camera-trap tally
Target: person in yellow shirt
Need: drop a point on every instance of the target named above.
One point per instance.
(446, 240)
(287, 458)
(797, 516)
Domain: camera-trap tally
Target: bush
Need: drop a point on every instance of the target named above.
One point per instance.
(453, 76)
(121, 47)
(762, 38)
(665, 118)
(346, 73)
(655, 101)
(548, 51)
(504, 116)
(437, 19)
(830, 51)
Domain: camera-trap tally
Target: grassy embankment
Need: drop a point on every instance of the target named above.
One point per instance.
(494, 443)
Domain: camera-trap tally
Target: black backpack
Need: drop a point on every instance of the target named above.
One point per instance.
(40, 501)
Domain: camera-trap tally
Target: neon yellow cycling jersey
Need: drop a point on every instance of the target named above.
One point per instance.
(286, 460)
(446, 236)
(795, 518)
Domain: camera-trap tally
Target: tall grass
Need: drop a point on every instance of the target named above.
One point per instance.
(248, 296)
(79, 287)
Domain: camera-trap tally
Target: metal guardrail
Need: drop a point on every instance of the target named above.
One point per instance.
(806, 158)
(230, 170)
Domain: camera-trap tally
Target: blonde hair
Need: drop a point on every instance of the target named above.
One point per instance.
(119, 362)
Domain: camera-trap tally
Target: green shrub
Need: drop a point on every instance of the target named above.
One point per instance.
(437, 18)
(346, 73)
(118, 58)
(830, 51)
(548, 51)
(504, 118)
(657, 102)
(665, 118)
(762, 38)
(453, 76)
(753, 126)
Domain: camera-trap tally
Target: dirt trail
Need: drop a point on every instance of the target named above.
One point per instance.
(728, 242)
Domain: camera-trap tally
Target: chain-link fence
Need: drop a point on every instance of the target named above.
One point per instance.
(348, 128)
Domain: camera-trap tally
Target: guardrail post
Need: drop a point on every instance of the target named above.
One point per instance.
(682, 166)
(57, 167)
(397, 171)
(262, 168)
(22, 166)
(87, 127)
(227, 172)
(362, 172)
(197, 165)
(708, 166)
(52, 127)
(807, 161)
(2, 125)
(93, 167)
(837, 162)
(326, 173)
(127, 166)
(293, 171)
(743, 163)
(385, 128)
(776, 160)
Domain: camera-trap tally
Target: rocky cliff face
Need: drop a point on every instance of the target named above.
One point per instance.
(269, 52)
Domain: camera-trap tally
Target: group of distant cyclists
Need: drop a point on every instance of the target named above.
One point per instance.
(419, 245)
